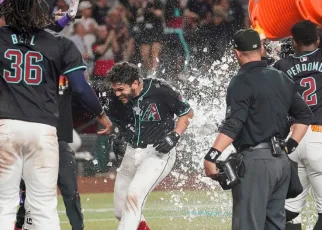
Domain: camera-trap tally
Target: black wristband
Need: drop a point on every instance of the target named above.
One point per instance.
(212, 155)
(291, 145)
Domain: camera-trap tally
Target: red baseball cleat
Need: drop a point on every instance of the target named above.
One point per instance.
(143, 226)
(17, 228)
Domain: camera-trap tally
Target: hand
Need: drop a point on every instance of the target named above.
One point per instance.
(291, 145)
(119, 146)
(165, 144)
(103, 119)
(73, 7)
(211, 169)
(259, 30)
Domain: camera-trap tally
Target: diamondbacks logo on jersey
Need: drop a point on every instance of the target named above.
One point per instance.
(151, 113)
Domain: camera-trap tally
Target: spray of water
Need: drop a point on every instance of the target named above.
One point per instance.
(206, 94)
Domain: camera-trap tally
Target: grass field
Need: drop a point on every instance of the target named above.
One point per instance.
(189, 210)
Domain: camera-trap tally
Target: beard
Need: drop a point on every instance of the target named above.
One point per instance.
(128, 97)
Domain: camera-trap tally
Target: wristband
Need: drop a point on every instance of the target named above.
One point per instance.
(291, 145)
(63, 21)
(212, 155)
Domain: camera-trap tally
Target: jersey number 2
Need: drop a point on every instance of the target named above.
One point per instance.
(309, 95)
(23, 66)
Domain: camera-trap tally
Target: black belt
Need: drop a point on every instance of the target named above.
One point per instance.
(139, 146)
(263, 145)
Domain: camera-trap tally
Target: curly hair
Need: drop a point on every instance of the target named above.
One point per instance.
(305, 33)
(24, 17)
(124, 73)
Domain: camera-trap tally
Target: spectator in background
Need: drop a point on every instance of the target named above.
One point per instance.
(90, 25)
(151, 36)
(118, 22)
(2, 21)
(78, 38)
(100, 10)
(62, 5)
(104, 48)
(198, 10)
(87, 20)
(176, 46)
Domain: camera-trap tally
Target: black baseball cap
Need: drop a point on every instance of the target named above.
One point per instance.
(247, 40)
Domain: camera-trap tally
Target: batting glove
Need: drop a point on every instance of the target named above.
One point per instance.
(291, 145)
(165, 144)
(72, 11)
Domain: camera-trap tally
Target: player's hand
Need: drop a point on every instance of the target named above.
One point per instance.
(119, 146)
(211, 169)
(259, 30)
(103, 119)
(72, 11)
(291, 145)
(165, 144)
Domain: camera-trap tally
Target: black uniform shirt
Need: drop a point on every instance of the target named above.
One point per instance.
(29, 71)
(149, 116)
(306, 72)
(259, 100)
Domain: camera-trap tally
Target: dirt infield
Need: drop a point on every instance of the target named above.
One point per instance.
(105, 184)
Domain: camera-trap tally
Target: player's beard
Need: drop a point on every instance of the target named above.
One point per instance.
(126, 98)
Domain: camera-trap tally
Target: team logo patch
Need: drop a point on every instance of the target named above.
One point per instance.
(151, 113)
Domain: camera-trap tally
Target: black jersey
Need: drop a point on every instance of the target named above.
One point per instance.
(149, 116)
(29, 73)
(306, 72)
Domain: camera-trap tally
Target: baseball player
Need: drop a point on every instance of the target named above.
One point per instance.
(144, 112)
(31, 59)
(67, 176)
(305, 68)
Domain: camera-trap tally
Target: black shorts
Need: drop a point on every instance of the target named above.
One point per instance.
(151, 36)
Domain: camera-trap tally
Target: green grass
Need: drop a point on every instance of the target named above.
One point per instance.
(175, 210)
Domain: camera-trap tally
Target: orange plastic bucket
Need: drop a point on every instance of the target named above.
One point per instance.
(276, 17)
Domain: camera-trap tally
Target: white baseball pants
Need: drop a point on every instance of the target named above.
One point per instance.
(140, 172)
(30, 150)
(308, 155)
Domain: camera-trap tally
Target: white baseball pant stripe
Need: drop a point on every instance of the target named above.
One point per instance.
(140, 172)
(308, 155)
(30, 150)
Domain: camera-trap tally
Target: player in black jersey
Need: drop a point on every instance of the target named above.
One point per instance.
(31, 60)
(305, 68)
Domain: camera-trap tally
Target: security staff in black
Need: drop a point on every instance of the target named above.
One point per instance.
(259, 100)
(67, 175)
(144, 111)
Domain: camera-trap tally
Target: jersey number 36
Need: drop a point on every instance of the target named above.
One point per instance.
(309, 95)
(23, 67)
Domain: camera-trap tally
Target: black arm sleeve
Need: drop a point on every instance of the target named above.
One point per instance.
(84, 92)
(300, 111)
(238, 101)
(231, 127)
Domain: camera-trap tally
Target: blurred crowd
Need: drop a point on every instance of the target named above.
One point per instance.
(162, 35)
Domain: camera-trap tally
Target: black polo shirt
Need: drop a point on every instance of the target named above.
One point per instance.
(259, 101)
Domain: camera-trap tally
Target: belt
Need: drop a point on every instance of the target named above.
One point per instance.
(140, 146)
(316, 128)
(262, 145)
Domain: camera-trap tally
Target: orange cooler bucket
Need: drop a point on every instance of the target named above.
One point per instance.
(276, 17)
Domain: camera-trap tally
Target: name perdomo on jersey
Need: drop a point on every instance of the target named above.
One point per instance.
(303, 67)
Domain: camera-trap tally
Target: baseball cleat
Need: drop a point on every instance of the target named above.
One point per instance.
(143, 226)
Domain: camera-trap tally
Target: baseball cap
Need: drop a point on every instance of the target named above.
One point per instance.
(85, 5)
(247, 40)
